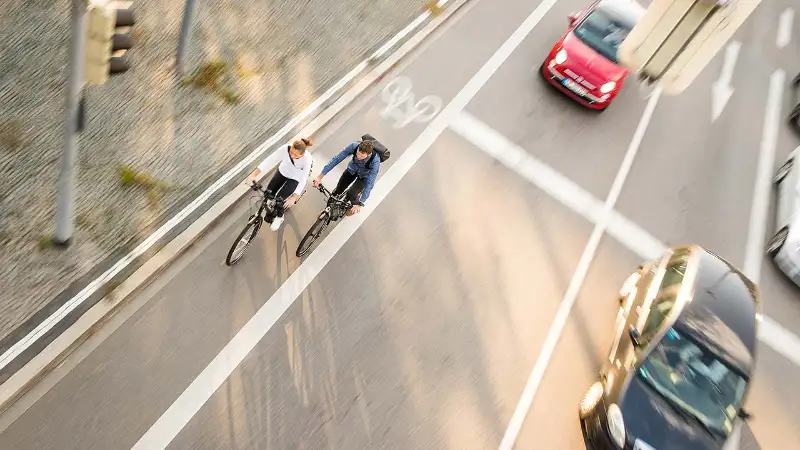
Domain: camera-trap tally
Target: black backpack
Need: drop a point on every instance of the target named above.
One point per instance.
(377, 147)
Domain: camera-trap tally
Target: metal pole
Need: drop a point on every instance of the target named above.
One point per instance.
(65, 207)
(183, 39)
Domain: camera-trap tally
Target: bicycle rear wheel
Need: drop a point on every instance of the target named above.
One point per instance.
(244, 240)
(313, 233)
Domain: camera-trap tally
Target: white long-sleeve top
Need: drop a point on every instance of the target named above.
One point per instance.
(296, 169)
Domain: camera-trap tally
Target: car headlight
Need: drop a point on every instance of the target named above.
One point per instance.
(608, 87)
(591, 398)
(616, 427)
(561, 56)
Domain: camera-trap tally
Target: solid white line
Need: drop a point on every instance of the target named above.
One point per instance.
(785, 28)
(530, 168)
(780, 339)
(557, 327)
(754, 249)
(625, 231)
(211, 378)
(271, 161)
(555, 184)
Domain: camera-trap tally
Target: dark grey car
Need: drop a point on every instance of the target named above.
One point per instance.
(682, 358)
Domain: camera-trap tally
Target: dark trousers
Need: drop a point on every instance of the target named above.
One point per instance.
(281, 187)
(355, 189)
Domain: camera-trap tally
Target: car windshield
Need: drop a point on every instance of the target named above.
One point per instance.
(695, 380)
(602, 33)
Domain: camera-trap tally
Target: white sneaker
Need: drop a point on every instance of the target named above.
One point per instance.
(276, 223)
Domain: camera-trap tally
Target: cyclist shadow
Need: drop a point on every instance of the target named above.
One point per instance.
(285, 253)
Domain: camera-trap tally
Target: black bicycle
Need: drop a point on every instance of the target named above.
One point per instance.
(266, 213)
(336, 208)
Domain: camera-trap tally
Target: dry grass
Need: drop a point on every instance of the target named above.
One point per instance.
(130, 177)
(433, 7)
(44, 242)
(12, 135)
(215, 77)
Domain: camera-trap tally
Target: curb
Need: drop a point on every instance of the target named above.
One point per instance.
(54, 354)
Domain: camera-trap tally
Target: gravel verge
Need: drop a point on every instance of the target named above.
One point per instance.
(151, 140)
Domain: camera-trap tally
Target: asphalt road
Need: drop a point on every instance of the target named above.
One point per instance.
(422, 330)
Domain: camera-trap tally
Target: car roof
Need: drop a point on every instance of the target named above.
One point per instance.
(627, 12)
(721, 314)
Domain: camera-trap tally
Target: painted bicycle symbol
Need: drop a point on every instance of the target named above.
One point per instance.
(401, 107)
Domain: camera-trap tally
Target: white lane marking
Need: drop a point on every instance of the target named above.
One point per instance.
(219, 369)
(398, 95)
(536, 172)
(785, 28)
(780, 339)
(555, 184)
(271, 161)
(575, 284)
(721, 90)
(625, 231)
(754, 249)
(635, 237)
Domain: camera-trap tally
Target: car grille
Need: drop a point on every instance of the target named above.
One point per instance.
(558, 75)
(579, 79)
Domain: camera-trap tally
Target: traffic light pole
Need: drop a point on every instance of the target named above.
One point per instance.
(65, 207)
(183, 39)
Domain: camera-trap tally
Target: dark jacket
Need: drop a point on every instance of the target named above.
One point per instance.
(357, 167)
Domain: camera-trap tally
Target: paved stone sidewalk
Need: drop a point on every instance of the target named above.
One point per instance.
(145, 128)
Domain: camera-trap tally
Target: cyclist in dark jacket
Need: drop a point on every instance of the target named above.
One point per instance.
(363, 168)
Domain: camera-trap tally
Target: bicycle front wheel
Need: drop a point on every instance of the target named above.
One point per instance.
(313, 234)
(243, 241)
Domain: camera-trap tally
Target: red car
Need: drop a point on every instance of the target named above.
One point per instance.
(583, 63)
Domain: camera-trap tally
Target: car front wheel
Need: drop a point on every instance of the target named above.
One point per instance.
(777, 241)
(783, 171)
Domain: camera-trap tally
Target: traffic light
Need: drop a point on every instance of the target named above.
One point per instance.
(676, 39)
(108, 39)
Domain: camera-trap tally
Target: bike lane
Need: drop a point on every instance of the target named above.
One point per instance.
(417, 334)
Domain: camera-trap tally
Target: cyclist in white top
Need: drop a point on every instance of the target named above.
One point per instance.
(291, 177)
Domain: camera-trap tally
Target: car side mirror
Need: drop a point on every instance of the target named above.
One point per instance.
(572, 17)
(744, 414)
(635, 336)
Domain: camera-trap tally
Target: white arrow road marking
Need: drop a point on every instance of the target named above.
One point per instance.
(785, 28)
(722, 91)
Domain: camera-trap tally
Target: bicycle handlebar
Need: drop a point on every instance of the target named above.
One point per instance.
(329, 195)
(321, 187)
(255, 186)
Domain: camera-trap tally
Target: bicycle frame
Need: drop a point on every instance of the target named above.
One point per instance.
(266, 209)
(336, 203)
(336, 208)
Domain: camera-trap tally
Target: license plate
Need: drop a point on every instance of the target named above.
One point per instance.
(574, 87)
